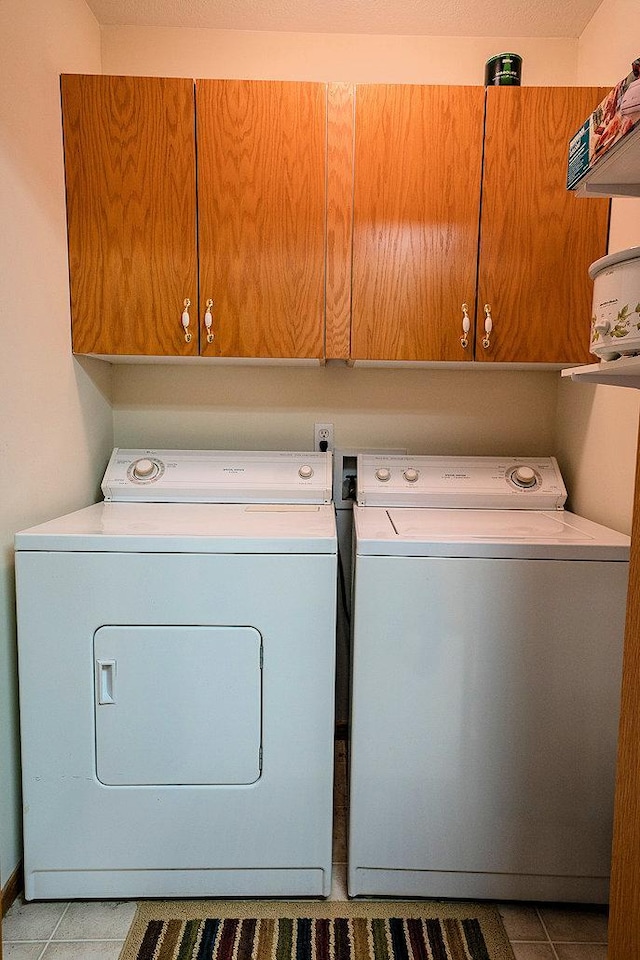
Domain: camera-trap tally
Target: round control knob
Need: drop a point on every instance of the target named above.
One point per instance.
(144, 469)
(524, 476)
(383, 473)
(305, 471)
(411, 475)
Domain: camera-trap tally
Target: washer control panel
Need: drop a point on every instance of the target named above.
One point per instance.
(218, 476)
(479, 482)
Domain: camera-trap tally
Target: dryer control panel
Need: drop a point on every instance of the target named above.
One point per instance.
(498, 483)
(218, 476)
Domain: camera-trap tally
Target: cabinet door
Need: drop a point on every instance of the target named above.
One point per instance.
(177, 705)
(261, 216)
(418, 156)
(537, 239)
(130, 174)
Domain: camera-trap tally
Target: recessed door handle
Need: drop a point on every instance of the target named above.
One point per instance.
(106, 675)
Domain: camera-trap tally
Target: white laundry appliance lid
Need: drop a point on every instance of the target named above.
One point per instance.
(205, 501)
(188, 528)
(515, 534)
(218, 476)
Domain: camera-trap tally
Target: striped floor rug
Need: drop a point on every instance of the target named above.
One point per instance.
(335, 930)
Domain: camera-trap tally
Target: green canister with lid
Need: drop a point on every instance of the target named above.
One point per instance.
(503, 70)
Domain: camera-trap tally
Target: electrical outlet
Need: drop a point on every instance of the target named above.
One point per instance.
(323, 432)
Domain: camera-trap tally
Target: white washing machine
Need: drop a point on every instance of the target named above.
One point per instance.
(487, 645)
(176, 654)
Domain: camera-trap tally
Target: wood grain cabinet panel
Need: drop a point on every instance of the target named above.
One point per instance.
(261, 215)
(133, 202)
(436, 225)
(340, 124)
(310, 213)
(130, 175)
(537, 239)
(418, 157)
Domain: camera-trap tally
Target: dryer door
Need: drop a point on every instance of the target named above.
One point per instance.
(177, 705)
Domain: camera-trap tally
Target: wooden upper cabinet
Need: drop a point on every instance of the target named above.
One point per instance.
(417, 169)
(311, 214)
(537, 239)
(131, 209)
(261, 216)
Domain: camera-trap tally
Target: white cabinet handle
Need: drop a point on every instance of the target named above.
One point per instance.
(186, 321)
(466, 326)
(208, 321)
(488, 326)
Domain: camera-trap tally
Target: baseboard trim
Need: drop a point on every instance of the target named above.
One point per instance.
(12, 888)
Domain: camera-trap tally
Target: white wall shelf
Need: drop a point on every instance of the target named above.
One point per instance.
(617, 174)
(624, 372)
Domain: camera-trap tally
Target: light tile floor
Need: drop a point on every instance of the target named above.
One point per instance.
(96, 930)
(66, 931)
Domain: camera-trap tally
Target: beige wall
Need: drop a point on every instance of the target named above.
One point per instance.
(164, 51)
(426, 411)
(56, 425)
(598, 425)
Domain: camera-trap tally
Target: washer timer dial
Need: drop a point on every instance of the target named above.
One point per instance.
(145, 470)
(524, 477)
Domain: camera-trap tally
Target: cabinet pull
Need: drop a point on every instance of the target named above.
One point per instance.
(185, 320)
(488, 326)
(208, 321)
(466, 326)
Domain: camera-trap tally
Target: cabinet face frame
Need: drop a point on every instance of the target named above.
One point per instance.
(131, 215)
(418, 162)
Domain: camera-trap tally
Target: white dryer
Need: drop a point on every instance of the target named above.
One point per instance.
(176, 655)
(487, 647)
